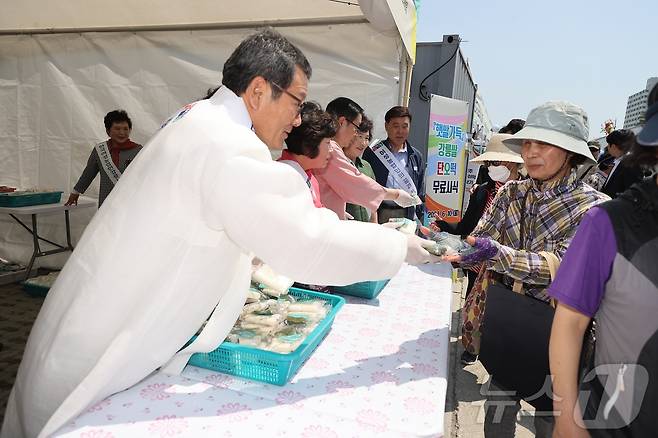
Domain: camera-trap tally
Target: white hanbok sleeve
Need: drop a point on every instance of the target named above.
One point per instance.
(266, 209)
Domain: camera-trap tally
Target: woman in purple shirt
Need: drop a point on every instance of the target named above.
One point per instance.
(609, 273)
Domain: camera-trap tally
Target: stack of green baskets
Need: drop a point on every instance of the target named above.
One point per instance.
(24, 199)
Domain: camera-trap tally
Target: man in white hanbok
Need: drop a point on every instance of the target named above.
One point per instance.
(177, 237)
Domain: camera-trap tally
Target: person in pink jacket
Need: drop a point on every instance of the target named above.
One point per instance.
(341, 182)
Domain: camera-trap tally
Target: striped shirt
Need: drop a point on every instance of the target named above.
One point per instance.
(552, 214)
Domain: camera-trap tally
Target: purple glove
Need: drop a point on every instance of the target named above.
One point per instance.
(484, 249)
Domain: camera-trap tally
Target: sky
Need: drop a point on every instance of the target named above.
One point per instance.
(593, 53)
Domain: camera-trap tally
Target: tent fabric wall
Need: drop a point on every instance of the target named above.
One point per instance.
(56, 88)
(58, 15)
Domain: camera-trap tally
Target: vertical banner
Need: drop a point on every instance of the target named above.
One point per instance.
(472, 170)
(446, 158)
(471, 176)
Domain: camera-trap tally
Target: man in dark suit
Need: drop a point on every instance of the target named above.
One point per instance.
(622, 175)
(397, 124)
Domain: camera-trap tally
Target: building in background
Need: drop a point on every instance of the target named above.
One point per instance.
(442, 69)
(481, 122)
(637, 105)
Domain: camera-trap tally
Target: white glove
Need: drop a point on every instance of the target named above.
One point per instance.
(392, 225)
(405, 199)
(416, 252)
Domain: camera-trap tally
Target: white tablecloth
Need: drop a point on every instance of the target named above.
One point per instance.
(381, 371)
(44, 209)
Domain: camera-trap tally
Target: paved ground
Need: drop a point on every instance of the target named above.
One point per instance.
(464, 417)
(18, 311)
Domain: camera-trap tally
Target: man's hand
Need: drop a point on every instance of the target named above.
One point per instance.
(73, 199)
(416, 252)
(405, 199)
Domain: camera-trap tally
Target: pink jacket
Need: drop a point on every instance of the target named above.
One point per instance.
(341, 182)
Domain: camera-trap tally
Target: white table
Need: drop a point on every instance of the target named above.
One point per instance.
(45, 209)
(382, 371)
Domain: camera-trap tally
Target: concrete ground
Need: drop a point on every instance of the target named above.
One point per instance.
(18, 311)
(464, 412)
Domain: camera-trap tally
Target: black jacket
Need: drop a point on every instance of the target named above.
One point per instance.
(415, 168)
(622, 178)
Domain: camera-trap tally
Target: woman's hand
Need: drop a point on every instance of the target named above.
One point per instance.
(73, 199)
(483, 249)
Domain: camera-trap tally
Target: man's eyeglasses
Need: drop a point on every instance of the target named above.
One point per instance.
(300, 102)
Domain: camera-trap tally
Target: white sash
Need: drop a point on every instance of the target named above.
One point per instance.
(395, 168)
(107, 164)
(307, 179)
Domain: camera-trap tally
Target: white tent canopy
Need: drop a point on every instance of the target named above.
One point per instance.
(64, 64)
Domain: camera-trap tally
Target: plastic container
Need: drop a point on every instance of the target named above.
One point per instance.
(35, 290)
(39, 286)
(267, 366)
(24, 199)
(364, 289)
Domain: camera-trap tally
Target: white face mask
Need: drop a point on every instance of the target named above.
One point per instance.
(499, 173)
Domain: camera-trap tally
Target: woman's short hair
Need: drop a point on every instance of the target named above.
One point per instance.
(316, 125)
(116, 116)
(366, 126)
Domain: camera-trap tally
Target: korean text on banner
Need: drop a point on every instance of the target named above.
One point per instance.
(446, 158)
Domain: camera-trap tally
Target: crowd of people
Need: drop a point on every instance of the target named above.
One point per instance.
(546, 197)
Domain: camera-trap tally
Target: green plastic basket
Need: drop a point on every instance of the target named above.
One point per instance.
(267, 366)
(35, 290)
(24, 199)
(364, 289)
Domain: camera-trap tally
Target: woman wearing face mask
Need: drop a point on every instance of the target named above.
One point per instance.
(530, 224)
(503, 166)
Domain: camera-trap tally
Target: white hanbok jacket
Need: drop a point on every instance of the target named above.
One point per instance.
(174, 240)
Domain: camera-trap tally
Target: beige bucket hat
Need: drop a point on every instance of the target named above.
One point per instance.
(497, 151)
(561, 124)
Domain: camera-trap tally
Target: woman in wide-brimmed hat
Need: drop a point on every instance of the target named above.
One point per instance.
(539, 214)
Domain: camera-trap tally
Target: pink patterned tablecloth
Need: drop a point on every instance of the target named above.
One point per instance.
(381, 371)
